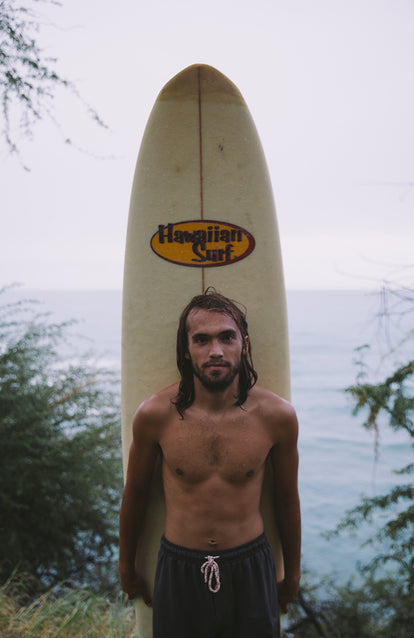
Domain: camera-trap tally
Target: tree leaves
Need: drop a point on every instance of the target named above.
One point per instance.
(60, 459)
(392, 402)
(390, 397)
(28, 78)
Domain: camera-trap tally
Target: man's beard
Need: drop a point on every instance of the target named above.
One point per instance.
(217, 384)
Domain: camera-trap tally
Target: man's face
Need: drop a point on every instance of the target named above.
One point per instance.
(215, 348)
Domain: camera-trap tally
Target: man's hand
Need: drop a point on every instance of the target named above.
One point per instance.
(134, 585)
(287, 590)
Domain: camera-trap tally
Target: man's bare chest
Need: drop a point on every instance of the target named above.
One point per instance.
(195, 450)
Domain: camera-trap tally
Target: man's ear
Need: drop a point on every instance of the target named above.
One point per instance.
(246, 343)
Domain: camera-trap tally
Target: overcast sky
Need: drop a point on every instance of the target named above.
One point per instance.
(329, 84)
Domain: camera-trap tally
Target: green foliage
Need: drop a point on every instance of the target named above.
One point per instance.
(392, 398)
(377, 609)
(382, 605)
(28, 78)
(60, 465)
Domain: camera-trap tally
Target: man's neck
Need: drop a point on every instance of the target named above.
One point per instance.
(215, 401)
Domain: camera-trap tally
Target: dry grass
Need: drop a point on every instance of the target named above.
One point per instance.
(71, 614)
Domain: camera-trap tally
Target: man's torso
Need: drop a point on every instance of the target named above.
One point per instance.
(213, 466)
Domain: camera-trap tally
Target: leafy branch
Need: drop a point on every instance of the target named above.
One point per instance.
(28, 78)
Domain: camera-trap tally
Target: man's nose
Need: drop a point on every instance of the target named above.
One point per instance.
(216, 350)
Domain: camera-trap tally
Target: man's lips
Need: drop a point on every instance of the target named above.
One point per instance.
(216, 364)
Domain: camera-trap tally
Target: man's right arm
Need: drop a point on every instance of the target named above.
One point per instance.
(142, 458)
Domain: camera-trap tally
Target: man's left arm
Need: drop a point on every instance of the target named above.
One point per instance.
(285, 460)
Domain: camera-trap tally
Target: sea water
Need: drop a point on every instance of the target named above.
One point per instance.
(338, 462)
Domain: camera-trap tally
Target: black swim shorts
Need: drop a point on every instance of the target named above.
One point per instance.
(228, 594)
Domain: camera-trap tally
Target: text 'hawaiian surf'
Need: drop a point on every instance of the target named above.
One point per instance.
(203, 243)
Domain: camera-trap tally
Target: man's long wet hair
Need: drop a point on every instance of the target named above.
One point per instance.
(212, 301)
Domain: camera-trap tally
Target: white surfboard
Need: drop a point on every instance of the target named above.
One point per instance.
(201, 214)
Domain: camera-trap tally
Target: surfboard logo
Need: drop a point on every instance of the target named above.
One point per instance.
(202, 243)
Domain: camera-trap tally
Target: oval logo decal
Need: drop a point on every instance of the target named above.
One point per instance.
(202, 243)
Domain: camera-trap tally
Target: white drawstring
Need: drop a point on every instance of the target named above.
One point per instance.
(210, 569)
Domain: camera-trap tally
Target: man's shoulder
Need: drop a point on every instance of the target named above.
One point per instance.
(157, 407)
(272, 405)
(278, 413)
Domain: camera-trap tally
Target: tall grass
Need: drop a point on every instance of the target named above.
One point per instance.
(70, 613)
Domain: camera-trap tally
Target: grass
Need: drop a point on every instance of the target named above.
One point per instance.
(72, 613)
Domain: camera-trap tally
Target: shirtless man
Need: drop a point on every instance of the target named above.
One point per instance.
(214, 432)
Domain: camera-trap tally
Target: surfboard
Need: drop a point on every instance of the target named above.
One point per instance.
(201, 214)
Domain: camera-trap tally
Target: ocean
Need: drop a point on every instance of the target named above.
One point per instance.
(338, 463)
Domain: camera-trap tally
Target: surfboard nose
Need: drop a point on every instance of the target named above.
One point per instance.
(201, 79)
